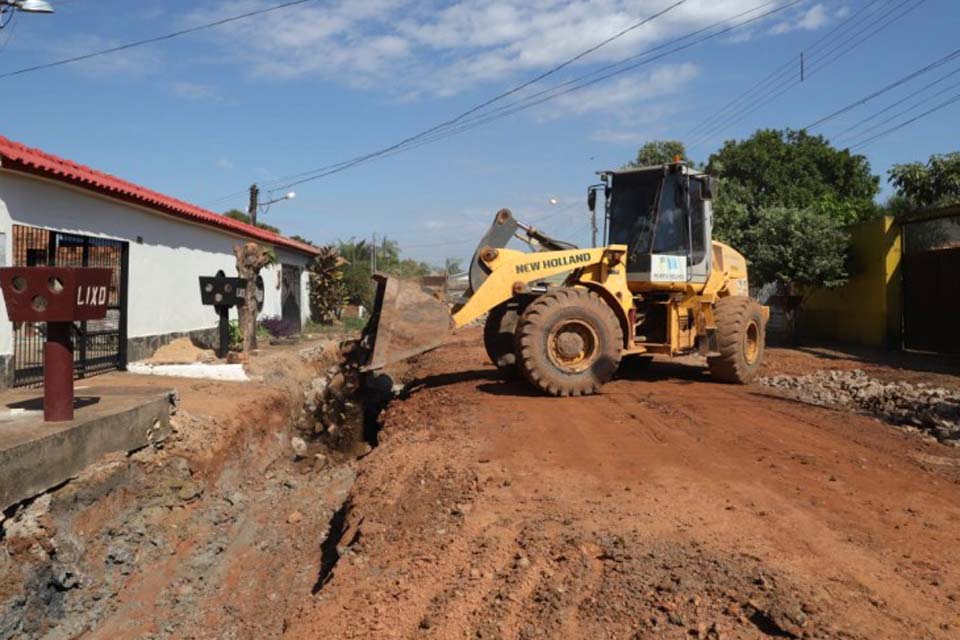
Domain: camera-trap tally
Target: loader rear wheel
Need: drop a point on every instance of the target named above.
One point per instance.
(569, 342)
(498, 335)
(740, 339)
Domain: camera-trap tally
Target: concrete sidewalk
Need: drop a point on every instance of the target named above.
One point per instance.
(36, 456)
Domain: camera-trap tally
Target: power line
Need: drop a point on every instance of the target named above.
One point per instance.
(871, 28)
(140, 43)
(857, 37)
(907, 78)
(524, 104)
(664, 45)
(776, 75)
(861, 34)
(12, 27)
(903, 112)
(876, 114)
(426, 138)
(306, 176)
(943, 105)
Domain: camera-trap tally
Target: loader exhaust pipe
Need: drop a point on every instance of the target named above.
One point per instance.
(409, 318)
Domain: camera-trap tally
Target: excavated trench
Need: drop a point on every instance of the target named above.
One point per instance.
(218, 532)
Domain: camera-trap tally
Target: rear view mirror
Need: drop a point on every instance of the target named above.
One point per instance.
(591, 199)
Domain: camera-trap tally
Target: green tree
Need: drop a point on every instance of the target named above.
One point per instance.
(788, 169)
(801, 251)
(300, 238)
(388, 260)
(327, 290)
(793, 169)
(357, 272)
(236, 214)
(360, 255)
(452, 266)
(658, 152)
(934, 184)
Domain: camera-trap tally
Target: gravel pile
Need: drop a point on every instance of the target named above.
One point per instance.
(934, 410)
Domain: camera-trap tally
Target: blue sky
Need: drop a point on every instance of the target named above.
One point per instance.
(204, 115)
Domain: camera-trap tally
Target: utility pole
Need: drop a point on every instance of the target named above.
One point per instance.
(593, 226)
(254, 203)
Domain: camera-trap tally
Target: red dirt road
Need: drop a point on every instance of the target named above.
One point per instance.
(670, 506)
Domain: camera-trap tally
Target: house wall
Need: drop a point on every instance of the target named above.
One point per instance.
(867, 309)
(166, 254)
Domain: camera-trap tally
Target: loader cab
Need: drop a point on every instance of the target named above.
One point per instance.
(664, 217)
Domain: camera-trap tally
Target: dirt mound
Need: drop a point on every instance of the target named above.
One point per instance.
(934, 410)
(181, 351)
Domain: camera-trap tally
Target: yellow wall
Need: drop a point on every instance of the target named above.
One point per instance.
(867, 309)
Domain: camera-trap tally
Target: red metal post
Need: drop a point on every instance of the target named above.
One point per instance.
(58, 373)
(58, 296)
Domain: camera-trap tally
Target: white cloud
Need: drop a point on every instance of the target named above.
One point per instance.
(627, 95)
(808, 20)
(224, 163)
(406, 48)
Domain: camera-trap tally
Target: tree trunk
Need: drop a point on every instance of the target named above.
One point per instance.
(251, 258)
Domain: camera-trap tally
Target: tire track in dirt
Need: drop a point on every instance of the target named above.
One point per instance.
(666, 507)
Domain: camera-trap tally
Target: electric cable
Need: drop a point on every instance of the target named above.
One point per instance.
(893, 85)
(416, 141)
(874, 138)
(843, 134)
(864, 33)
(140, 43)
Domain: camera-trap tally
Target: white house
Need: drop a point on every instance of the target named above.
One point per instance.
(57, 212)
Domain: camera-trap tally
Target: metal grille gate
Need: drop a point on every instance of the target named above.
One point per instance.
(99, 345)
(931, 284)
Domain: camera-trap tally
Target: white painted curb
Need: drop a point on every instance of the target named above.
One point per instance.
(226, 372)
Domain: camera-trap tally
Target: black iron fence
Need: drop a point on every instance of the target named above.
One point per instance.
(99, 345)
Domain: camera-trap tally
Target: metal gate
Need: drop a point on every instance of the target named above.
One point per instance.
(99, 345)
(931, 284)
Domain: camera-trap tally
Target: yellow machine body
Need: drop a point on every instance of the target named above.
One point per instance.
(704, 306)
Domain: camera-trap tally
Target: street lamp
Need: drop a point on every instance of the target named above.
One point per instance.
(255, 203)
(8, 7)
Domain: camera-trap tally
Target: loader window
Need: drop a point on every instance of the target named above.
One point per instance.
(631, 211)
(671, 236)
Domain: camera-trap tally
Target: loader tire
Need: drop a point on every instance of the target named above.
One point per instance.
(569, 342)
(740, 339)
(498, 336)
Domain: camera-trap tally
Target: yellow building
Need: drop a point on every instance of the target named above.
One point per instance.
(867, 310)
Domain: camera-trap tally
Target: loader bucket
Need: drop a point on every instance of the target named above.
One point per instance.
(408, 318)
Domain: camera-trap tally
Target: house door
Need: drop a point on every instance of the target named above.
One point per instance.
(290, 295)
(98, 345)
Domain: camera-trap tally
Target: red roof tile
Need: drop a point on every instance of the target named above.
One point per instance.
(18, 157)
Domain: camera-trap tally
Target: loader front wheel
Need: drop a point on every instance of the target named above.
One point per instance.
(498, 335)
(569, 342)
(741, 340)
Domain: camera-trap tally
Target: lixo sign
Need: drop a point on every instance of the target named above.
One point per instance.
(58, 296)
(222, 293)
(92, 296)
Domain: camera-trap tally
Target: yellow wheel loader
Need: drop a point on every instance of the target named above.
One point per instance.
(564, 317)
